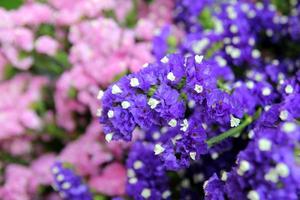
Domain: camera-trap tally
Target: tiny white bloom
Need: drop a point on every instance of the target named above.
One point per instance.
(99, 112)
(166, 194)
(222, 62)
(153, 103)
(233, 29)
(198, 88)
(184, 125)
(185, 183)
(289, 89)
(198, 178)
(198, 59)
(283, 115)
(125, 104)
(116, 89)
(214, 155)
(271, 176)
(224, 176)
(55, 170)
(146, 193)
(244, 166)
(250, 84)
(60, 177)
(145, 65)
(266, 91)
(234, 122)
(138, 164)
(253, 195)
(158, 149)
(165, 59)
(193, 155)
(171, 76)
(108, 137)
(283, 170)
(130, 173)
(100, 94)
(133, 180)
(134, 82)
(66, 185)
(289, 127)
(156, 135)
(255, 53)
(172, 123)
(264, 144)
(110, 114)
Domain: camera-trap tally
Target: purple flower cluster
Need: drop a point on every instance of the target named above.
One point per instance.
(68, 184)
(224, 125)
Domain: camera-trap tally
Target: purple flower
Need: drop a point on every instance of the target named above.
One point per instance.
(68, 184)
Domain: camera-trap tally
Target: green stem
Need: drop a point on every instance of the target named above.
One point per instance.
(234, 131)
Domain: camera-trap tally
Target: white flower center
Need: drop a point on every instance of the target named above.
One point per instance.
(171, 76)
(153, 103)
(115, 89)
(134, 82)
(264, 144)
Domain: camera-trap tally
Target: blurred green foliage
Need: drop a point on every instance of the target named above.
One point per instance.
(10, 4)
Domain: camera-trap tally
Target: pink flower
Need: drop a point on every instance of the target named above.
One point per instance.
(111, 182)
(46, 45)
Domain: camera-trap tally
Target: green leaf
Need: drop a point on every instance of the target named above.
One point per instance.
(72, 93)
(10, 71)
(46, 29)
(11, 4)
(206, 19)
(132, 17)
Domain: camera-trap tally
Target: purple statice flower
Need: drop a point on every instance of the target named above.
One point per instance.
(68, 184)
(160, 43)
(147, 178)
(187, 13)
(152, 97)
(214, 188)
(269, 167)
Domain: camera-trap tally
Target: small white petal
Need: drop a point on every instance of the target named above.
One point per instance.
(264, 144)
(198, 59)
(234, 122)
(134, 82)
(158, 149)
(166, 194)
(115, 89)
(283, 115)
(100, 94)
(99, 112)
(55, 170)
(110, 114)
(171, 76)
(244, 166)
(146, 193)
(133, 180)
(198, 178)
(271, 176)
(193, 155)
(253, 195)
(184, 125)
(283, 170)
(108, 137)
(138, 164)
(266, 91)
(165, 59)
(125, 104)
(198, 88)
(153, 103)
(289, 127)
(224, 176)
(289, 89)
(60, 177)
(66, 185)
(172, 123)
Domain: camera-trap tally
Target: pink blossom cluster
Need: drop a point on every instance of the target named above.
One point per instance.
(54, 58)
